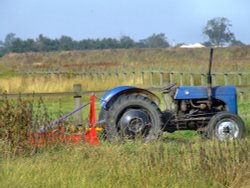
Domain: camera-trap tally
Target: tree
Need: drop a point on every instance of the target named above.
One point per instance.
(46, 44)
(30, 45)
(18, 46)
(9, 39)
(1, 44)
(107, 43)
(237, 43)
(207, 44)
(156, 41)
(127, 42)
(2, 49)
(218, 31)
(66, 43)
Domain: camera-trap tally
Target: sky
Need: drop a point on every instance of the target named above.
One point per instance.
(181, 21)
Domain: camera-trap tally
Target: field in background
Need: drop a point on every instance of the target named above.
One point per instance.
(225, 59)
(13, 67)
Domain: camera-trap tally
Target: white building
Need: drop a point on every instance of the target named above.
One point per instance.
(195, 45)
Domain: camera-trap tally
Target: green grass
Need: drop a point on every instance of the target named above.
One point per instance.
(169, 163)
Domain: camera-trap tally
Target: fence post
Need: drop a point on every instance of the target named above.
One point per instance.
(171, 77)
(239, 79)
(117, 75)
(151, 78)
(142, 78)
(226, 79)
(202, 79)
(191, 79)
(214, 79)
(161, 78)
(181, 78)
(133, 77)
(78, 102)
(241, 96)
(125, 78)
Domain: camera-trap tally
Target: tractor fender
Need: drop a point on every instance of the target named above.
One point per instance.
(110, 96)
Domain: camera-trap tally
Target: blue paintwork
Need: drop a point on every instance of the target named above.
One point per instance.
(227, 94)
(109, 94)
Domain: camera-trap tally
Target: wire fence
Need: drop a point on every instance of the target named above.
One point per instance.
(150, 79)
(156, 78)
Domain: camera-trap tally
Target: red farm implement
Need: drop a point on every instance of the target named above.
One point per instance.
(89, 135)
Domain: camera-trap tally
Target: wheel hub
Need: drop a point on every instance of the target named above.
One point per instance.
(227, 129)
(135, 120)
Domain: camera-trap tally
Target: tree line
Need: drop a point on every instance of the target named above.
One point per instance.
(66, 43)
(217, 30)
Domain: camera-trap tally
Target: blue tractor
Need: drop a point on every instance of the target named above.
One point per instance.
(131, 112)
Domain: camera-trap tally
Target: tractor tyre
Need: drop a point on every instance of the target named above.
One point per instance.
(133, 116)
(103, 115)
(226, 126)
(103, 120)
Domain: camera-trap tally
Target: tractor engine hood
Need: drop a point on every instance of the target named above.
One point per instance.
(227, 94)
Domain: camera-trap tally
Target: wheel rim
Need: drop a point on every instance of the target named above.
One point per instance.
(134, 121)
(226, 129)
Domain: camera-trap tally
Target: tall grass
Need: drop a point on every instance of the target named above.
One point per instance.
(38, 84)
(20, 120)
(162, 164)
(15, 126)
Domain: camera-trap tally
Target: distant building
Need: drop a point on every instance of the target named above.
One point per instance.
(195, 45)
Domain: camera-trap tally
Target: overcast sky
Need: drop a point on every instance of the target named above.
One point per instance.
(180, 20)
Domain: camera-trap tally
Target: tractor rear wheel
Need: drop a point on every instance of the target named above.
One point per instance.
(103, 120)
(226, 126)
(133, 116)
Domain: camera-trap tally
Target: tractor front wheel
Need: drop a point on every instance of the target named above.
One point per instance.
(226, 126)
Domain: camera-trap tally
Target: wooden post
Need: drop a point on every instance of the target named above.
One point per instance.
(181, 78)
(133, 77)
(95, 75)
(102, 76)
(241, 96)
(161, 78)
(239, 79)
(214, 79)
(142, 78)
(78, 102)
(191, 79)
(171, 77)
(226, 79)
(117, 75)
(109, 75)
(125, 76)
(203, 79)
(151, 78)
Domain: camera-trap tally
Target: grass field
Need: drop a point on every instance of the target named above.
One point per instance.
(225, 59)
(171, 162)
(181, 159)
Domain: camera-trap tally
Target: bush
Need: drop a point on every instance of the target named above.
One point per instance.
(15, 125)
